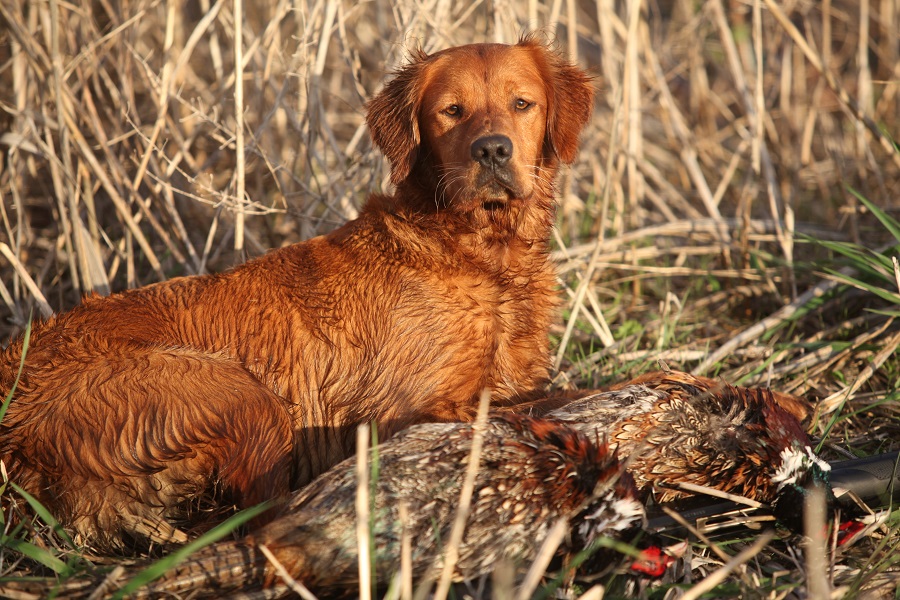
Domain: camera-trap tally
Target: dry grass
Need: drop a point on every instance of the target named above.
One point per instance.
(145, 139)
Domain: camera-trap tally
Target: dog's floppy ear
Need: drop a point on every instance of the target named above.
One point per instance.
(571, 103)
(393, 118)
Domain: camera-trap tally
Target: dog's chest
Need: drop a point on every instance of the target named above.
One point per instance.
(495, 325)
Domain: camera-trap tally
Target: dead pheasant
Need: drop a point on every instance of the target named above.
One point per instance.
(532, 473)
(677, 428)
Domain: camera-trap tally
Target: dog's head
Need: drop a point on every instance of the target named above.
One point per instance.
(483, 124)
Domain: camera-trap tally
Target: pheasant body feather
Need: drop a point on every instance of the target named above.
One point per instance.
(674, 427)
(532, 473)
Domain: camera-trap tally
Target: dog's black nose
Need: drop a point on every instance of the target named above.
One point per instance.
(492, 150)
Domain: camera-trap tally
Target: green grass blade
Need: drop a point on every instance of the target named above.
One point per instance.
(15, 384)
(45, 515)
(169, 561)
(576, 561)
(864, 260)
(891, 224)
(38, 554)
(878, 291)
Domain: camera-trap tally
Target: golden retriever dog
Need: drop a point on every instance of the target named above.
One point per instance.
(253, 381)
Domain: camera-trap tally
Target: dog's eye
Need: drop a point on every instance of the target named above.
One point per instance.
(523, 104)
(454, 110)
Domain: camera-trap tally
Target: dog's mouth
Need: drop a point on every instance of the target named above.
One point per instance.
(494, 205)
(501, 198)
(497, 197)
(498, 192)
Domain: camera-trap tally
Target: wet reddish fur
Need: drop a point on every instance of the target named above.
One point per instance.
(257, 378)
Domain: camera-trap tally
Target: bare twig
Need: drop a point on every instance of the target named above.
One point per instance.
(297, 587)
(239, 126)
(362, 512)
(451, 555)
(719, 575)
(545, 554)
